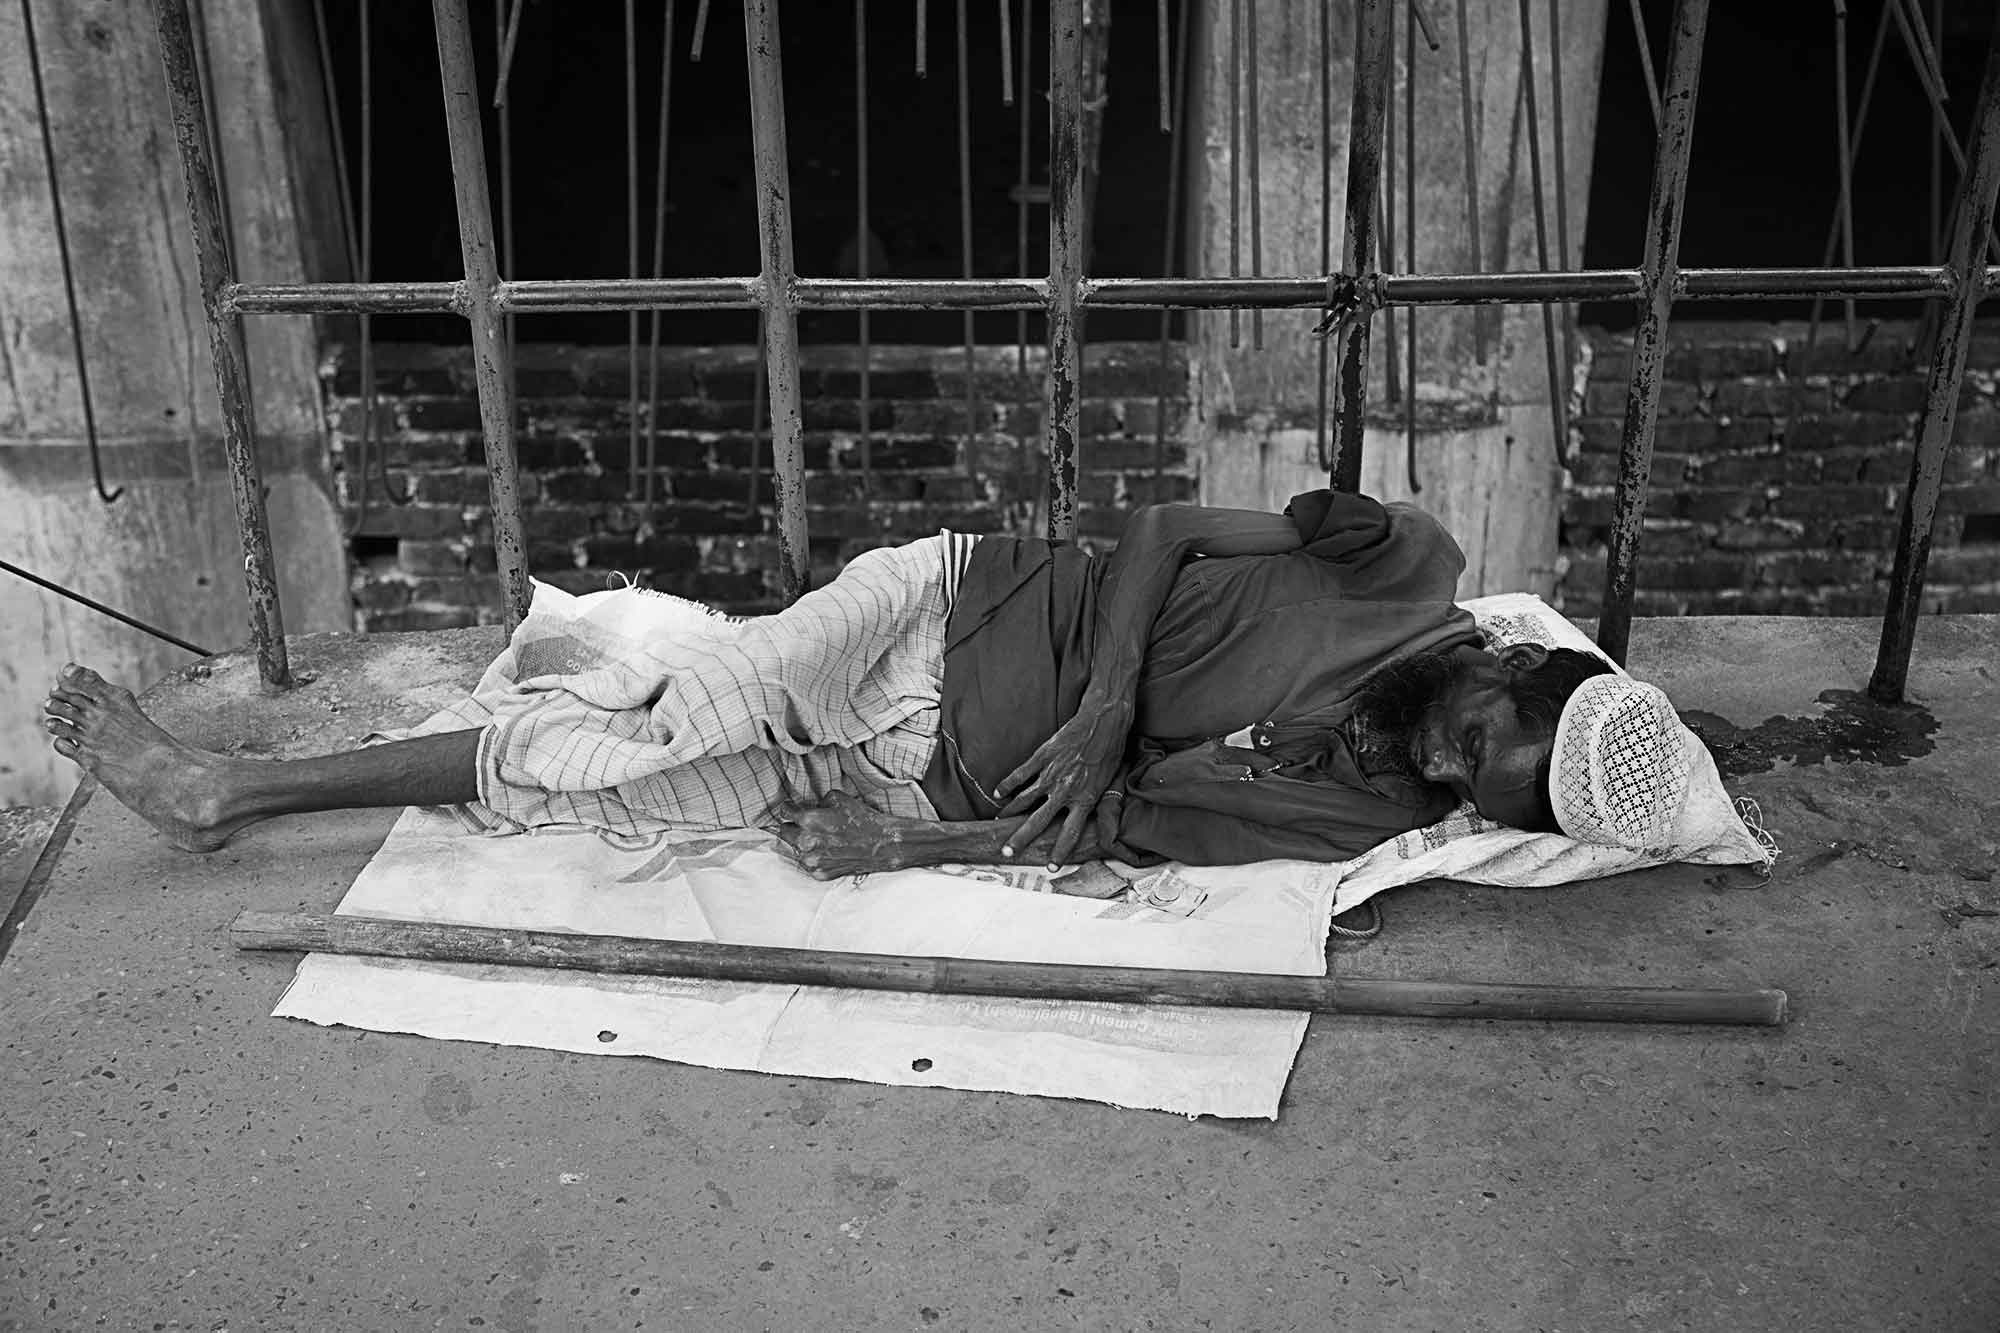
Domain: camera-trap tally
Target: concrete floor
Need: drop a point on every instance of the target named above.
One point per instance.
(177, 1159)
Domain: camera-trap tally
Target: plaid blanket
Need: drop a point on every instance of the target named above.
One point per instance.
(636, 712)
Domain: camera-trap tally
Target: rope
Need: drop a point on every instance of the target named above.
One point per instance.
(102, 609)
(1367, 932)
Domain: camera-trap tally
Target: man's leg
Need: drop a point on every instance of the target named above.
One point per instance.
(199, 798)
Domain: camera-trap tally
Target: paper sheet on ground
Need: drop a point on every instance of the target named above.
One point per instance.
(740, 888)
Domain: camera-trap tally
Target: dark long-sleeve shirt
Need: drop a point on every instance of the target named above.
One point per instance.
(1277, 644)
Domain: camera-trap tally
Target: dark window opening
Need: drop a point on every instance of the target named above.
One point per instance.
(1764, 177)
(566, 90)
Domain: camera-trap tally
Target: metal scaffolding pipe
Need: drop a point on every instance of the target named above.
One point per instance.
(1968, 239)
(1649, 339)
(491, 365)
(546, 296)
(1364, 184)
(1067, 234)
(781, 328)
(225, 339)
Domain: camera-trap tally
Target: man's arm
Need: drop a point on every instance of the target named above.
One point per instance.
(1071, 770)
(845, 837)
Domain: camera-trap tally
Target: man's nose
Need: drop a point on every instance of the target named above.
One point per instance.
(1445, 764)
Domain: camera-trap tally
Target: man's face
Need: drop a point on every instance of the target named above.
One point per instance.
(1471, 740)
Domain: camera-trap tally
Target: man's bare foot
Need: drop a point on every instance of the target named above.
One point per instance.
(181, 791)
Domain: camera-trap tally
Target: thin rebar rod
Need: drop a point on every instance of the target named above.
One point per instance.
(103, 610)
(1021, 184)
(1469, 134)
(351, 235)
(1372, 58)
(938, 975)
(506, 65)
(1647, 73)
(968, 330)
(1872, 282)
(1325, 67)
(1844, 141)
(1566, 316)
(923, 38)
(369, 390)
(700, 31)
(1649, 339)
(1424, 22)
(631, 53)
(862, 260)
(1170, 260)
(781, 328)
(1911, 19)
(1937, 149)
(1007, 52)
(1974, 215)
(1235, 160)
(1163, 24)
(660, 159)
(1410, 246)
(81, 361)
(492, 365)
(1859, 129)
(1558, 398)
(1253, 129)
(1067, 239)
(225, 340)
(1385, 213)
(1932, 80)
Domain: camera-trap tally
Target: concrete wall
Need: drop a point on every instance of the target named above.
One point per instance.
(166, 551)
(1485, 453)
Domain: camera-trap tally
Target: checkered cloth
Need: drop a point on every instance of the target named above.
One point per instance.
(636, 712)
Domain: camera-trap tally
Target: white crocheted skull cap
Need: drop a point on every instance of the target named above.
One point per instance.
(1618, 774)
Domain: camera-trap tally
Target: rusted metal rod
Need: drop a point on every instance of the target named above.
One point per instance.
(492, 366)
(225, 340)
(1068, 228)
(1968, 237)
(1557, 371)
(781, 327)
(544, 296)
(1364, 184)
(1649, 339)
(632, 955)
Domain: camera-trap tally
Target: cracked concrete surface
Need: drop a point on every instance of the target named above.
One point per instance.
(178, 1159)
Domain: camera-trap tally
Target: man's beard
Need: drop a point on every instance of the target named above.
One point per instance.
(1390, 706)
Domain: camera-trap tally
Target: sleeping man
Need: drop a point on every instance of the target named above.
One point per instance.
(1227, 687)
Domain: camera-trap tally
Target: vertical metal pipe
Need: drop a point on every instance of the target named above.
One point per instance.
(1974, 215)
(1022, 181)
(1937, 149)
(631, 246)
(1843, 135)
(1410, 246)
(1364, 185)
(1253, 130)
(968, 330)
(1235, 161)
(1658, 269)
(1169, 263)
(1860, 127)
(225, 340)
(1325, 209)
(1392, 378)
(1471, 144)
(1558, 394)
(1646, 71)
(862, 235)
(1560, 158)
(781, 329)
(492, 366)
(1067, 225)
(659, 260)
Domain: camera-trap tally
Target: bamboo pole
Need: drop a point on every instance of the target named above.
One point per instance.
(631, 955)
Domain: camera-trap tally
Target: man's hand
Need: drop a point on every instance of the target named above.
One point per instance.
(842, 837)
(1066, 776)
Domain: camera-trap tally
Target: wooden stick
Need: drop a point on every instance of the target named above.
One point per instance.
(446, 943)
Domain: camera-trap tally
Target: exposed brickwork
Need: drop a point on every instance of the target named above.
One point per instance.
(1777, 479)
(710, 534)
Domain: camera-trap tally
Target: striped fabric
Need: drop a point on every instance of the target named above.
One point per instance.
(635, 712)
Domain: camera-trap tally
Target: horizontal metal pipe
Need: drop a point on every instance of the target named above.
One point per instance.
(1881, 282)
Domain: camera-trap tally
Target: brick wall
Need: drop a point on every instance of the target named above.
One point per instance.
(710, 534)
(1776, 480)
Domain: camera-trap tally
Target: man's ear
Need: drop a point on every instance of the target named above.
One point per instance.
(1523, 656)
